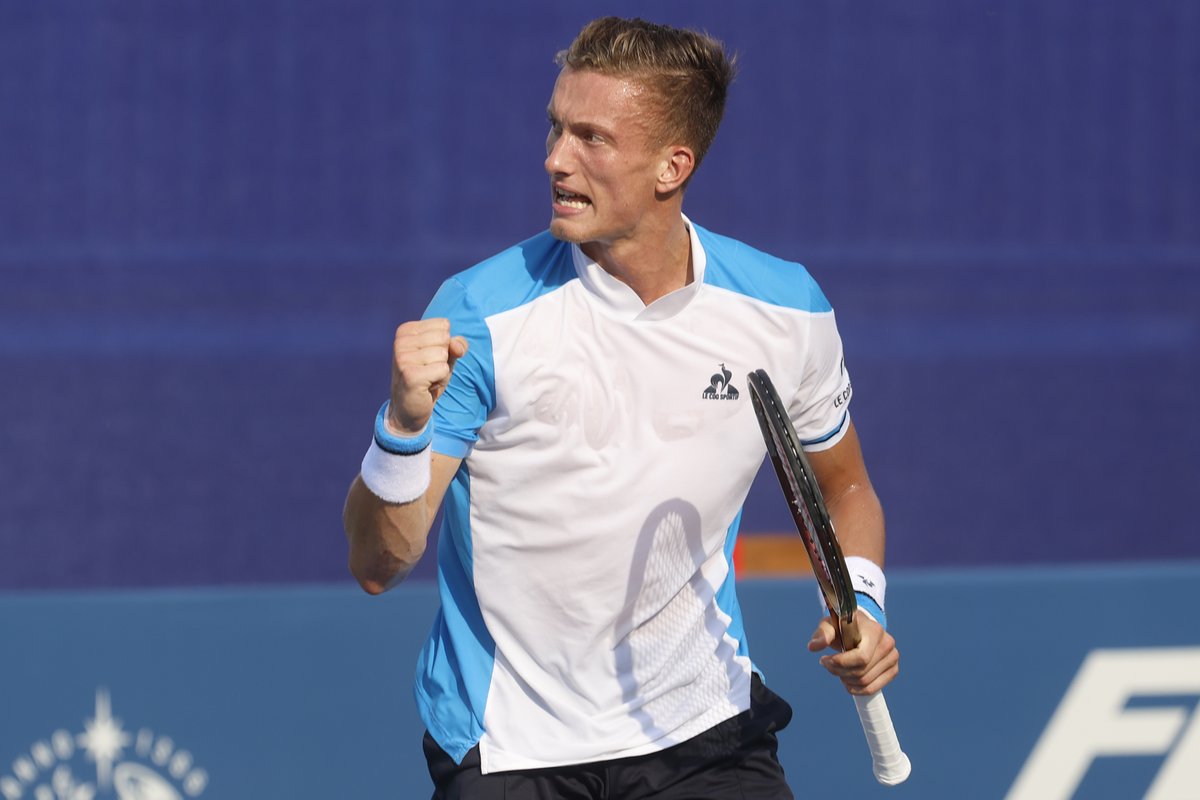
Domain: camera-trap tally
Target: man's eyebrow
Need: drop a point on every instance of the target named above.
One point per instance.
(595, 126)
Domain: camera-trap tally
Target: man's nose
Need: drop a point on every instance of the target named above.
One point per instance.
(556, 155)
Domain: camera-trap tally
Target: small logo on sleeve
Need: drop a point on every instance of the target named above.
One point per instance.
(843, 397)
(719, 387)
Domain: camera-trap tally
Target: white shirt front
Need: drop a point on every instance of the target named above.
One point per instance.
(589, 611)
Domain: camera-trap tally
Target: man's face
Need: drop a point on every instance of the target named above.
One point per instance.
(601, 157)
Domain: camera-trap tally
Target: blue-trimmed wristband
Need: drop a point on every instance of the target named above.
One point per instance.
(397, 468)
(867, 604)
(870, 586)
(400, 445)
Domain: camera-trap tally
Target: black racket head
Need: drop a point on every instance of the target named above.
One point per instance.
(804, 497)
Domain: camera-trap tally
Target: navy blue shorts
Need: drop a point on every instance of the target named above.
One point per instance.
(736, 759)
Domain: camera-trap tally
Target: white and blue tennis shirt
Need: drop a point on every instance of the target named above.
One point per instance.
(588, 604)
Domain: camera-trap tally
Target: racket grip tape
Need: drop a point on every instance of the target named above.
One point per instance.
(890, 764)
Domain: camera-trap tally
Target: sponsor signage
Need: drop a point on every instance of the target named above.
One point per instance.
(1043, 683)
(1100, 717)
(103, 759)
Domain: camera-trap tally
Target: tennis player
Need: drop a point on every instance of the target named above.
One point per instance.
(577, 405)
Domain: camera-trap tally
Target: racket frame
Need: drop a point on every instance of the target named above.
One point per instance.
(807, 505)
(889, 762)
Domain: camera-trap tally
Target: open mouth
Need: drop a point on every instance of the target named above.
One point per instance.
(571, 200)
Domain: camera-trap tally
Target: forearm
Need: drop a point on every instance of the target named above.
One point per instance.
(853, 505)
(386, 540)
(858, 519)
(391, 504)
(857, 516)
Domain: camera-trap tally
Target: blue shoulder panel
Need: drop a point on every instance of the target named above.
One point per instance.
(740, 268)
(520, 274)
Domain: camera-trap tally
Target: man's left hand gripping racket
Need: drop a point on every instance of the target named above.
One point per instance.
(891, 765)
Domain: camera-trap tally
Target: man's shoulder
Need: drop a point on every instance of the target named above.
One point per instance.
(734, 265)
(538, 250)
(518, 274)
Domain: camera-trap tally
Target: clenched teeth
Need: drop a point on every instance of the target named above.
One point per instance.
(571, 200)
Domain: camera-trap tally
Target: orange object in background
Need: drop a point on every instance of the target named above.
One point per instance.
(770, 555)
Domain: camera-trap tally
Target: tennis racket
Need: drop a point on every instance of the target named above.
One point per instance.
(891, 765)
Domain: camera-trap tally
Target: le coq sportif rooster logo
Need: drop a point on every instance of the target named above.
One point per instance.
(719, 387)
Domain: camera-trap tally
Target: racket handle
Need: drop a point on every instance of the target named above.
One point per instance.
(891, 765)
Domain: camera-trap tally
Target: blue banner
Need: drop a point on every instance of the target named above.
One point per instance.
(1037, 683)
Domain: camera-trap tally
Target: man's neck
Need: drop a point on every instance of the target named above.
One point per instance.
(654, 264)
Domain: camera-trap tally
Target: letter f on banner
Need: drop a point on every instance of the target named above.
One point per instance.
(1093, 720)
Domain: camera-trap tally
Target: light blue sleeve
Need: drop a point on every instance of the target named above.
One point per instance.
(471, 394)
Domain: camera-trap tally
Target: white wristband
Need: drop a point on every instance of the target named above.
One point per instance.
(396, 478)
(867, 577)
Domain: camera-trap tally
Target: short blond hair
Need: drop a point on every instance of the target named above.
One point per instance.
(690, 72)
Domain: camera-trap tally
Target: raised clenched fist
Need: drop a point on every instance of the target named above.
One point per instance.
(423, 357)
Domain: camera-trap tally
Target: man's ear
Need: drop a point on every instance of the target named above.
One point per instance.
(676, 168)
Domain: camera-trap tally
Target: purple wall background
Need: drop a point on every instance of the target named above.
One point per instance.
(212, 216)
